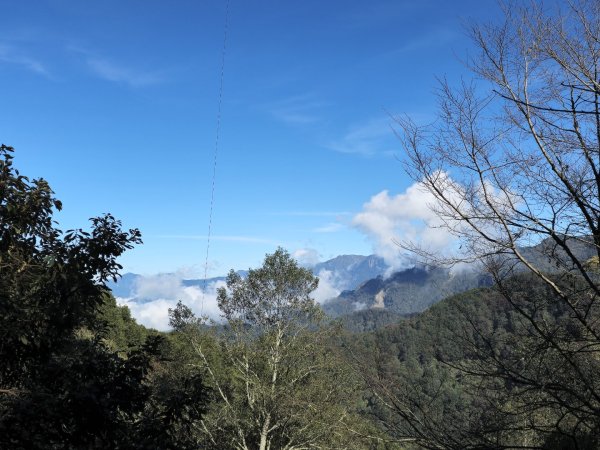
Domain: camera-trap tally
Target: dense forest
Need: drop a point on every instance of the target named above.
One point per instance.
(512, 362)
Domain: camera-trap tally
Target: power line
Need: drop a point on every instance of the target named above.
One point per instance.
(216, 152)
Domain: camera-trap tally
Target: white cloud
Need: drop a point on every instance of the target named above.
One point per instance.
(154, 314)
(152, 296)
(420, 219)
(330, 283)
(328, 287)
(358, 306)
(307, 257)
(387, 219)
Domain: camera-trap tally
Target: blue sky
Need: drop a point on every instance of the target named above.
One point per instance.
(115, 103)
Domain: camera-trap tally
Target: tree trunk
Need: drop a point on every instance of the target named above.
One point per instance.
(265, 432)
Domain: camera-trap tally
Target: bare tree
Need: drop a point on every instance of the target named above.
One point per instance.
(513, 163)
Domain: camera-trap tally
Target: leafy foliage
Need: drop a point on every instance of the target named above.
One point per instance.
(274, 296)
(280, 381)
(75, 369)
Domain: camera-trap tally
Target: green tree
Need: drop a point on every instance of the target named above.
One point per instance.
(278, 379)
(120, 333)
(63, 384)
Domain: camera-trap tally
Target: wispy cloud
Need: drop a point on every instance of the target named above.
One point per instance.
(312, 213)
(436, 38)
(11, 55)
(112, 71)
(117, 72)
(225, 238)
(377, 14)
(329, 228)
(374, 137)
(296, 110)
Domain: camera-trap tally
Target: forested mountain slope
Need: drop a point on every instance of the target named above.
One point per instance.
(407, 292)
(472, 372)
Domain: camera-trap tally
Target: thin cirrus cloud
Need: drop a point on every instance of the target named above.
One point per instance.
(11, 55)
(329, 228)
(116, 72)
(374, 137)
(436, 38)
(111, 71)
(312, 213)
(377, 14)
(296, 110)
(224, 238)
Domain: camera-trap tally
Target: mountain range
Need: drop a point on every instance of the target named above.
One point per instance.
(406, 292)
(369, 297)
(350, 271)
(346, 271)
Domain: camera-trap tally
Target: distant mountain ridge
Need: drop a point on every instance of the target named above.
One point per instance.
(411, 291)
(348, 272)
(352, 270)
(368, 299)
(125, 285)
(406, 292)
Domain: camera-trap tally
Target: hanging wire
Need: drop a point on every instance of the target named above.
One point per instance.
(216, 153)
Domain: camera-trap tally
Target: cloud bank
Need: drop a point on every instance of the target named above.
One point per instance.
(152, 296)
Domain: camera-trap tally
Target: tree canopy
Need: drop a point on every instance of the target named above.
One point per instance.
(279, 378)
(75, 370)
